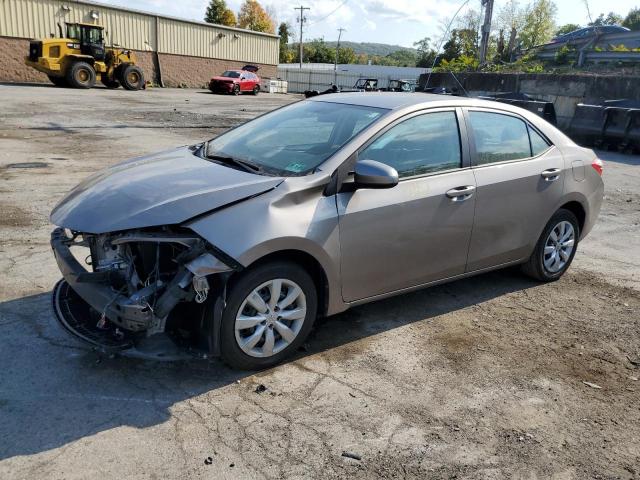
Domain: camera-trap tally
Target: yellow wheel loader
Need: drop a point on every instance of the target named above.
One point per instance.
(80, 58)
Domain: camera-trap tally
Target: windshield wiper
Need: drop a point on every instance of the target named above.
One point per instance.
(244, 164)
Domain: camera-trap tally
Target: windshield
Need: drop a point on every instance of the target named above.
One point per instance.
(73, 31)
(296, 139)
(231, 74)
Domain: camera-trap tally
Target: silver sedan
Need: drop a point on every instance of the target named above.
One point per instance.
(234, 246)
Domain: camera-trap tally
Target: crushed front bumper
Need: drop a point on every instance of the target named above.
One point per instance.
(93, 289)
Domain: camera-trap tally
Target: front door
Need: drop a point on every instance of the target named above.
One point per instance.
(418, 231)
(519, 179)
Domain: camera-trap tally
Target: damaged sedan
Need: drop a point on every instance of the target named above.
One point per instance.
(234, 246)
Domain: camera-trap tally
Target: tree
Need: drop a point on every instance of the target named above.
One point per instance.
(402, 58)
(612, 18)
(426, 54)
(632, 20)
(510, 19)
(461, 42)
(568, 28)
(511, 16)
(347, 56)
(539, 23)
(218, 13)
(253, 17)
(284, 32)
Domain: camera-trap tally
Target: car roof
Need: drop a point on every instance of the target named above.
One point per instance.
(399, 100)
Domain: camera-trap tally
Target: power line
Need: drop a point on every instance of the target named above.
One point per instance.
(302, 19)
(330, 13)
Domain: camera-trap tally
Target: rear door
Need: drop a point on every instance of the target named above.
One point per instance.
(519, 178)
(418, 231)
(246, 84)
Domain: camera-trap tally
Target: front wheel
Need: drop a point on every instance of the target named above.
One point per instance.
(131, 77)
(236, 89)
(555, 249)
(269, 313)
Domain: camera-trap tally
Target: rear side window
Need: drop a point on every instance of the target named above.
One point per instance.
(538, 143)
(499, 138)
(423, 144)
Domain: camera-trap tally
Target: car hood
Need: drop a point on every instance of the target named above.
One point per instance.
(161, 189)
(226, 79)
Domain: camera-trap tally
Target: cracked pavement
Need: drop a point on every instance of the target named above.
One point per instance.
(481, 378)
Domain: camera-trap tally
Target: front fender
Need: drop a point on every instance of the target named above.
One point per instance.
(276, 221)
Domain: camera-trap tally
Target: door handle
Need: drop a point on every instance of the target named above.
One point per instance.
(460, 194)
(551, 175)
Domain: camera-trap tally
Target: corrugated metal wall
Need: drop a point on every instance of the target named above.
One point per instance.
(137, 30)
(182, 38)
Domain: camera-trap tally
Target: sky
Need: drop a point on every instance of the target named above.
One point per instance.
(398, 22)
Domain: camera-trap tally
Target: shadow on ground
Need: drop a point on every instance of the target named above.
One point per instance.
(54, 391)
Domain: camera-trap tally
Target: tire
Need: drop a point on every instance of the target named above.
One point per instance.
(256, 90)
(536, 267)
(236, 89)
(291, 275)
(111, 84)
(131, 77)
(58, 81)
(81, 75)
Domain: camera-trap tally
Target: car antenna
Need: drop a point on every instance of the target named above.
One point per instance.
(466, 94)
(446, 32)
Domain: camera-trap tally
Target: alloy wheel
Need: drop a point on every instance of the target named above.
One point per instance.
(559, 247)
(270, 318)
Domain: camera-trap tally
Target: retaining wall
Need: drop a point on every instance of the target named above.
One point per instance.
(565, 91)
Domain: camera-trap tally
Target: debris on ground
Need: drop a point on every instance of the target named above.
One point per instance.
(208, 461)
(355, 456)
(261, 388)
(592, 385)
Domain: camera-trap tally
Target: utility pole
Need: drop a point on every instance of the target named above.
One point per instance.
(486, 30)
(302, 19)
(335, 65)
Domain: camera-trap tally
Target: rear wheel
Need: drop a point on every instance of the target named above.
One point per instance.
(256, 90)
(81, 75)
(58, 81)
(269, 313)
(555, 249)
(131, 77)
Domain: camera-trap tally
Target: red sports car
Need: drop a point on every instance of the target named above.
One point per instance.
(237, 81)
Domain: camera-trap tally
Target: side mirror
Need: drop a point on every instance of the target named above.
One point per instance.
(372, 174)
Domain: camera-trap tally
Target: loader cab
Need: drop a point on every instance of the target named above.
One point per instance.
(90, 37)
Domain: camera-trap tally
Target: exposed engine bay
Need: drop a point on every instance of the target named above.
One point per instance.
(146, 292)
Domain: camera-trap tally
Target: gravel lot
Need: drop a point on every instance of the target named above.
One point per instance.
(482, 378)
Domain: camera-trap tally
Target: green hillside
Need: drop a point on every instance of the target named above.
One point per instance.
(371, 49)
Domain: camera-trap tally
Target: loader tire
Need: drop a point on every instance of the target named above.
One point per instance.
(81, 75)
(131, 77)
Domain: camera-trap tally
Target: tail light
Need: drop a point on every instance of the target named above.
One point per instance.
(597, 166)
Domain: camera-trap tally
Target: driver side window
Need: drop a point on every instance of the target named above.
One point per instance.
(420, 145)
